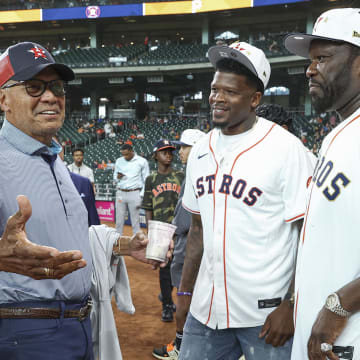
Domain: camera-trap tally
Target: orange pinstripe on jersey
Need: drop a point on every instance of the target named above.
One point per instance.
(225, 215)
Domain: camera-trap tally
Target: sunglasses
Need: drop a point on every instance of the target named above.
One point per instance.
(37, 87)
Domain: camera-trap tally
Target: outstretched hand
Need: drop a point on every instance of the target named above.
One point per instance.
(19, 255)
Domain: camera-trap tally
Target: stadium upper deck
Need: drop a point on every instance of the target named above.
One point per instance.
(104, 42)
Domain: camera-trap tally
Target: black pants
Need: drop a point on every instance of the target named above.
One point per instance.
(165, 284)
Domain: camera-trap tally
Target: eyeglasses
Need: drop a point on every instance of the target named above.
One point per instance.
(37, 87)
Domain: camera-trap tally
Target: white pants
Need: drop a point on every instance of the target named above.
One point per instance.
(132, 201)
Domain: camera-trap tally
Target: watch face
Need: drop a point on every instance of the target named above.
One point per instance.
(331, 301)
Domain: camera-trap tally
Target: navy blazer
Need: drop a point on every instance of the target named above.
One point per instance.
(86, 191)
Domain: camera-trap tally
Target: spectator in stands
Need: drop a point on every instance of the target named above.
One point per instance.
(332, 120)
(68, 142)
(120, 125)
(86, 125)
(78, 167)
(182, 219)
(114, 124)
(107, 128)
(103, 165)
(100, 133)
(130, 173)
(146, 43)
(162, 190)
(110, 164)
(315, 149)
(274, 47)
(112, 134)
(172, 133)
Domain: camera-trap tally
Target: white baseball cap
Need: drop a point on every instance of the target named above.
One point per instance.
(333, 25)
(189, 137)
(250, 56)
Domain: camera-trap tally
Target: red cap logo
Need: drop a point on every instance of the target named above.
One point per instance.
(38, 52)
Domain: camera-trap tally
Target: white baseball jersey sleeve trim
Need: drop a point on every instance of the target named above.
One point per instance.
(329, 248)
(247, 198)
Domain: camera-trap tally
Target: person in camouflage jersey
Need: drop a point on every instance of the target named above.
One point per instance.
(162, 188)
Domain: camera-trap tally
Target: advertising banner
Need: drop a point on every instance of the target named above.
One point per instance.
(275, 2)
(106, 210)
(92, 12)
(7, 17)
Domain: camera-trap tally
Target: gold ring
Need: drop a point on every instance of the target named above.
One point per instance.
(47, 271)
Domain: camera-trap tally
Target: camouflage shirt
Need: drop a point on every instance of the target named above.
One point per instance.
(162, 193)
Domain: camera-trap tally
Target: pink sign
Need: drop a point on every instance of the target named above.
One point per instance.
(106, 210)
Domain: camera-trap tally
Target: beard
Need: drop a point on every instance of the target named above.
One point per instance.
(332, 92)
(321, 104)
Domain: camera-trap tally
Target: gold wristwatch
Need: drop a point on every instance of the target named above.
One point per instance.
(290, 297)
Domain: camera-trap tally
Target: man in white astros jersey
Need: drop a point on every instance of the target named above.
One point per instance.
(246, 186)
(327, 317)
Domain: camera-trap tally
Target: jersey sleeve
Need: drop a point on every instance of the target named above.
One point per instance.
(190, 201)
(296, 178)
(147, 202)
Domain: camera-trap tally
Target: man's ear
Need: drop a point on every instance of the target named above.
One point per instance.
(255, 99)
(3, 101)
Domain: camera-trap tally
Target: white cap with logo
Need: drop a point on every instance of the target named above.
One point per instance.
(189, 137)
(332, 25)
(250, 56)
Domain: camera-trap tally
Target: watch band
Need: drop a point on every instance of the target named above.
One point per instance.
(334, 305)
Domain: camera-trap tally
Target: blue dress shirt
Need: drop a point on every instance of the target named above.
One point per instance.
(59, 217)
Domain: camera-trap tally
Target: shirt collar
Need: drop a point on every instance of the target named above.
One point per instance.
(26, 143)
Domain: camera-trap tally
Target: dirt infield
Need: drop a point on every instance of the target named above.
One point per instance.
(139, 333)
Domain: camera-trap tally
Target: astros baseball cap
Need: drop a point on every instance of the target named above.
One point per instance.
(163, 144)
(333, 25)
(26, 59)
(189, 137)
(250, 56)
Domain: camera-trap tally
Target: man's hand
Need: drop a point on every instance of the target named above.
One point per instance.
(326, 329)
(137, 247)
(279, 325)
(19, 255)
(182, 309)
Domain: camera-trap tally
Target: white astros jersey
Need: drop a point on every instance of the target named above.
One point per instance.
(248, 199)
(329, 251)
